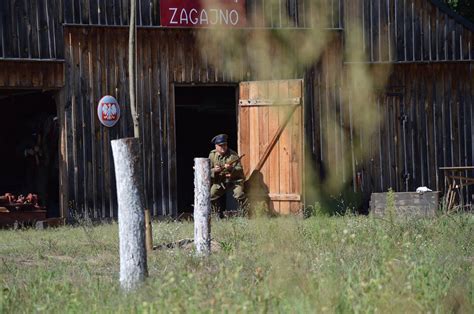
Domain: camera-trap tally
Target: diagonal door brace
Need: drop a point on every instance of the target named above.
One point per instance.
(275, 138)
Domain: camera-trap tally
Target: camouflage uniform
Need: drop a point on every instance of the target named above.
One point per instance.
(220, 183)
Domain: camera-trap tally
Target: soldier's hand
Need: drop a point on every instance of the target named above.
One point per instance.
(228, 167)
(228, 175)
(217, 169)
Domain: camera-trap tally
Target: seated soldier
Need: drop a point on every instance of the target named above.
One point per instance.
(226, 172)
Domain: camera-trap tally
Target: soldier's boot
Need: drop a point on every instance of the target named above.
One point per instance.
(243, 207)
(216, 209)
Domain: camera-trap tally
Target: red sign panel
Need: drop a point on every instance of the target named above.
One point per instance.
(202, 13)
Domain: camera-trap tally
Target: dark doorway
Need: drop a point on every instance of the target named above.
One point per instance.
(201, 113)
(29, 137)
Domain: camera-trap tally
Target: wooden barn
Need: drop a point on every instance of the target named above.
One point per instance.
(354, 95)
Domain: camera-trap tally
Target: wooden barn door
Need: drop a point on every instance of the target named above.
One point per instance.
(271, 137)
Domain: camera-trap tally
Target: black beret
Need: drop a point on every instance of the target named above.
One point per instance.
(219, 139)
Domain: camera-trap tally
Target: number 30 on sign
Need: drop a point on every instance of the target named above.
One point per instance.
(108, 111)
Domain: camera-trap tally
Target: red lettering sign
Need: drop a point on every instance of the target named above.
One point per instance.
(203, 13)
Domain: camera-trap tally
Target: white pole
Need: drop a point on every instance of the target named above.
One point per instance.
(131, 217)
(132, 67)
(202, 206)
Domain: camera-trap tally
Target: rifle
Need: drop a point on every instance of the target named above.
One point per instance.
(233, 162)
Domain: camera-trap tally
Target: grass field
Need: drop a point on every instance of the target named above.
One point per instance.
(322, 264)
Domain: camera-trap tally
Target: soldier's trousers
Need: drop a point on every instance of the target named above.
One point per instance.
(217, 190)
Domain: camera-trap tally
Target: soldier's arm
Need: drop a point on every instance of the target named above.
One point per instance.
(238, 171)
(214, 168)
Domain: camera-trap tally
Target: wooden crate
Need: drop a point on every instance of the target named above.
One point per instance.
(406, 204)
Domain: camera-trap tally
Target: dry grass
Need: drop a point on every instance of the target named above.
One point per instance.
(333, 264)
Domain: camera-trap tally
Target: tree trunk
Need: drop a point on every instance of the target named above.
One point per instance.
(202, 206)
(131, 218)
(131, 68)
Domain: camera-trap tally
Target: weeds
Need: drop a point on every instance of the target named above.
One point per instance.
(314, 210)
(391, 210)
(347, 264)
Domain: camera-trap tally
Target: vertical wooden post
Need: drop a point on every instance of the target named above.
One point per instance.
(131, 218)
(202, 206)
(132, 67)
(148, 231)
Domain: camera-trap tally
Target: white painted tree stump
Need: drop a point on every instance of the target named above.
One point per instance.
(131, 216)
(202, 206)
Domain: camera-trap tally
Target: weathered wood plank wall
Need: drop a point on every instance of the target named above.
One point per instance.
(431, 124)
(428, 106)
(96, 65)
(427, 122)
(278, 13)
(31, 29)
(427, 109)
(96, 61)
(327, 143)
(424, 98)
(31, 74)
(408, 31)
